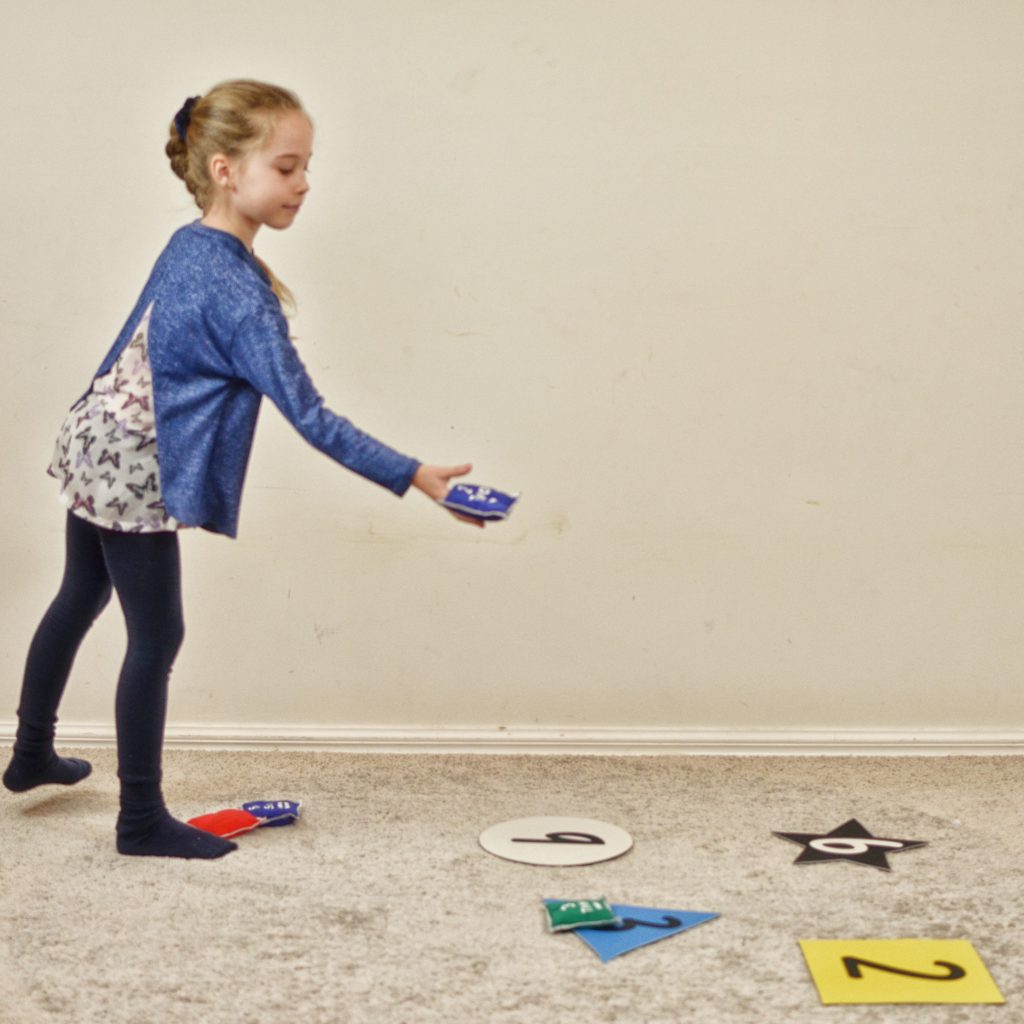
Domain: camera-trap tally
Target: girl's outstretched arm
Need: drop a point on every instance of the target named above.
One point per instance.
(434, 482)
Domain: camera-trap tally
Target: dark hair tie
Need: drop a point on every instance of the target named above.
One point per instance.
(183, 117)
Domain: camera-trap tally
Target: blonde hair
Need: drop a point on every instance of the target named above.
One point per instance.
(233, 118)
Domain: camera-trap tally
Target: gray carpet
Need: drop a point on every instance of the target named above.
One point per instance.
(380, 905)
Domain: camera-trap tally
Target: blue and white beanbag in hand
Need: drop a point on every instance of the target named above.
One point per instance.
(274, 813)
(484, 503)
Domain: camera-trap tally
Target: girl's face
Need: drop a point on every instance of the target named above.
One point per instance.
(269, 184)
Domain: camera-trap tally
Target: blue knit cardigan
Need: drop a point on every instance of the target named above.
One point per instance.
(218, 342)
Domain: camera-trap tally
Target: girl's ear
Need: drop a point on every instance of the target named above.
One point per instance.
(220, 170)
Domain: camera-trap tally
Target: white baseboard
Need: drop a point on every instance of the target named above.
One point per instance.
(554, 740)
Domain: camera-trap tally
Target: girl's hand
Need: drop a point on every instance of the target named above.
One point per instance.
(434, 482)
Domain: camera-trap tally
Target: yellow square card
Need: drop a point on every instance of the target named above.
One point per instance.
(898, 971)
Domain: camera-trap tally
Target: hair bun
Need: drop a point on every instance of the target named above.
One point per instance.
(177, 153)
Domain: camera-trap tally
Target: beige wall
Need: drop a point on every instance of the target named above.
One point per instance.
(731, 290)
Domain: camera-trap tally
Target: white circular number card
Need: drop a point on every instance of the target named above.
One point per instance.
(555, 841)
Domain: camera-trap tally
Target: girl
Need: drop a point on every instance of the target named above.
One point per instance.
(161, 441)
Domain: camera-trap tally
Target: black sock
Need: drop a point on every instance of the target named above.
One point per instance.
(24, 773)
(145, 828)
(168, 837)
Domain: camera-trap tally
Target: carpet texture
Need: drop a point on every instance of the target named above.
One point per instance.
(379, 905)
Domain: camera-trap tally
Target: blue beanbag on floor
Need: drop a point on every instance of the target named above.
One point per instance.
(274, 813)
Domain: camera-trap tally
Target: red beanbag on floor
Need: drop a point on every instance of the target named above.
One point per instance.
(226, 824)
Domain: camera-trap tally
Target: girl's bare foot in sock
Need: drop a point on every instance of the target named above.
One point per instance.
(167, 837)
(23, 774)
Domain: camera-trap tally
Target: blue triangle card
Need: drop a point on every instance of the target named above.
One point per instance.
(640, 927)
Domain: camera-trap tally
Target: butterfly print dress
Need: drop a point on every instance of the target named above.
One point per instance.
(106, 455)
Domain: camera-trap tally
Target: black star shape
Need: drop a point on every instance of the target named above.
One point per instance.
(851, 842)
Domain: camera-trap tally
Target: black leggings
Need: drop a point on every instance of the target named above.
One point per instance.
(144, 569)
